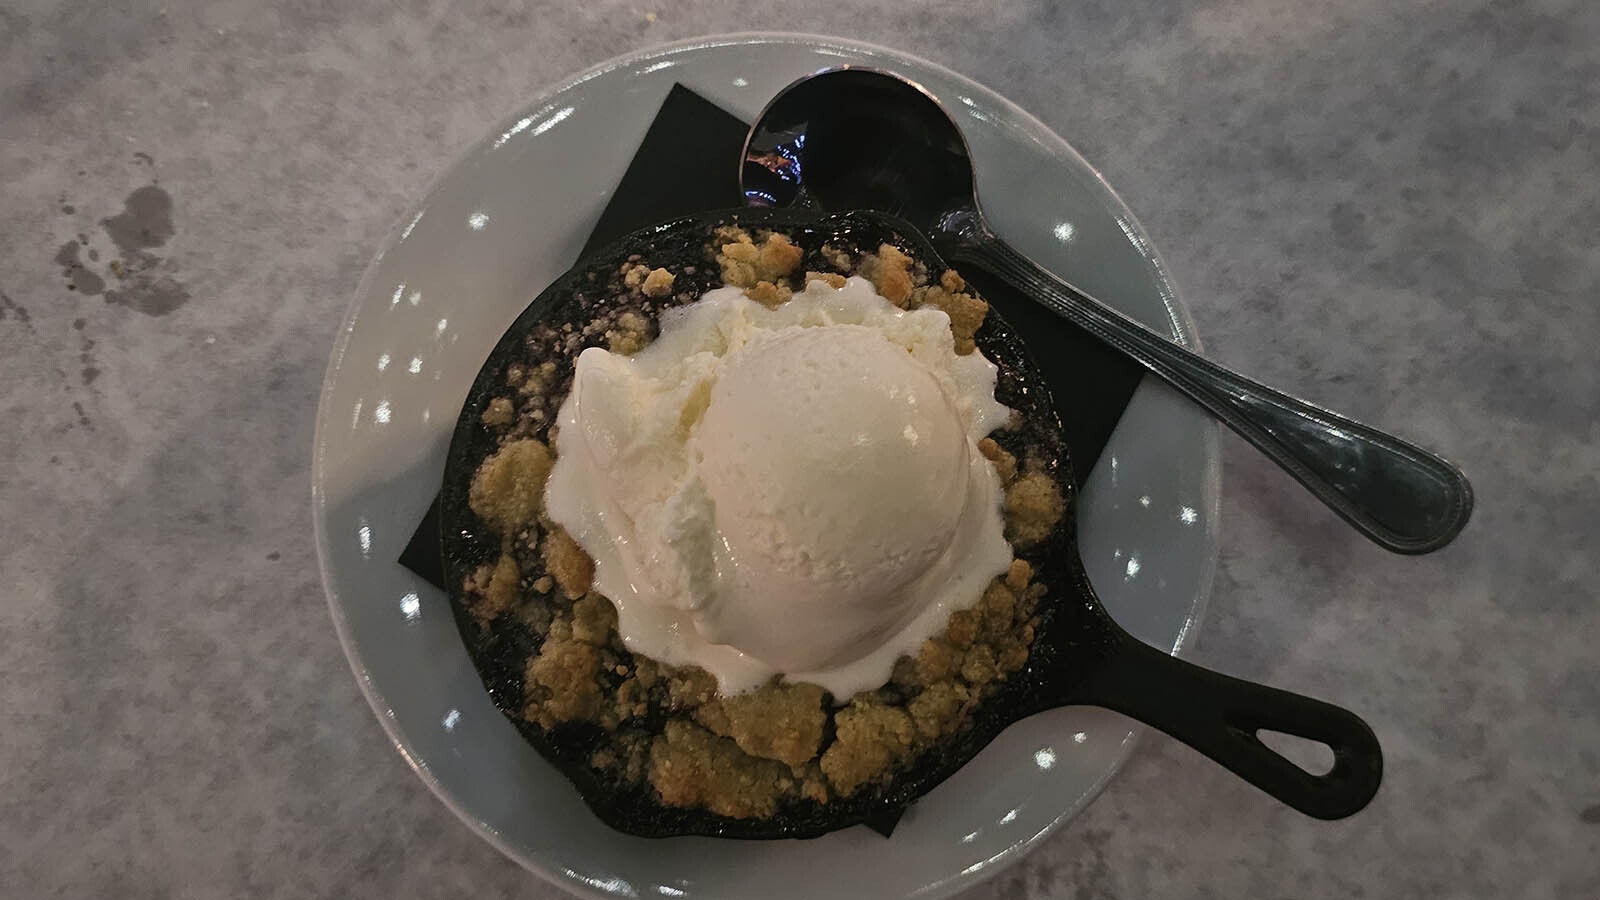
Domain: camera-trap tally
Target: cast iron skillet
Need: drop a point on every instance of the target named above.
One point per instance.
(1079, 655)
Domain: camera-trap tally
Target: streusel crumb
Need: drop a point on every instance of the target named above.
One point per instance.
(499, 413)
(869, 740)
(768, 294)
(630, 334)
(494, 588)
(565, 675)
(779, 721)
(658, 283)
(890, 273)
(1033, 506)
(690, 766)
(572, 568)
(746, 264)
(508, 489)
(966, 312)
(1005, 465)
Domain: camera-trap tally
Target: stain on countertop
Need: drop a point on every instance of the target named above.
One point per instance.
(79, 277)
(90, 370)
(146, 285)
(134, 277)
(145, 220)
(146, 282)
(11, 309)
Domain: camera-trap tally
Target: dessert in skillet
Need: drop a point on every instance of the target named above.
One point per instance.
(754, 534)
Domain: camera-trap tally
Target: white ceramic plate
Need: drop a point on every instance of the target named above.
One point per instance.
(500, 224)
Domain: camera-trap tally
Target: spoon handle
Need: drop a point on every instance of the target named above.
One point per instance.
(1222, 717)
(1398, 494)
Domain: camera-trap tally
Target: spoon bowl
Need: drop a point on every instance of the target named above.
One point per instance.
(861, 138)
(884, 144)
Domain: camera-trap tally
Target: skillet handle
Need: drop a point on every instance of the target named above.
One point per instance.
(1220, 717)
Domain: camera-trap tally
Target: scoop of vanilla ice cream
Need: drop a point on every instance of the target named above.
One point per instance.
(790, 491)
(838, 469)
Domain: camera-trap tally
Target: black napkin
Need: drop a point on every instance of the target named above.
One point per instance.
(689, 161)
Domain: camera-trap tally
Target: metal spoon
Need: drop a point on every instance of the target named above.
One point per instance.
(854, 138)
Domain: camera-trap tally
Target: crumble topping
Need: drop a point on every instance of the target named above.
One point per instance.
(741, 756)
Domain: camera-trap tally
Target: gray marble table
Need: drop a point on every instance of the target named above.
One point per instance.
(1391, 208)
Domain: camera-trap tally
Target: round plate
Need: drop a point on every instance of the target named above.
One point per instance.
(511, 215)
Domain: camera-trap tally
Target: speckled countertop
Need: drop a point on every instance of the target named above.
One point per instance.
(1392, 207)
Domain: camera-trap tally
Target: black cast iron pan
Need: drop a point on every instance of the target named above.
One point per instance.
(1080, 656)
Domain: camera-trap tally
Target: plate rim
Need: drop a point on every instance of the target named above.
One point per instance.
(1179, 318)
